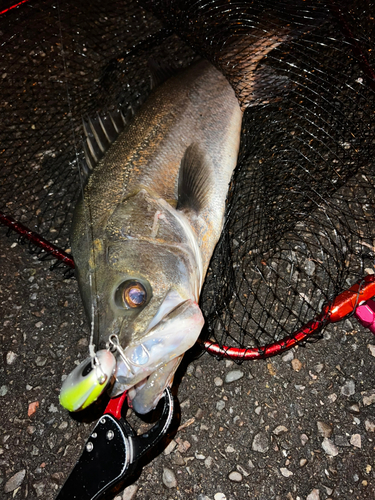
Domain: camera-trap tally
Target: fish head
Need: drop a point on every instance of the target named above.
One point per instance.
(139, 279)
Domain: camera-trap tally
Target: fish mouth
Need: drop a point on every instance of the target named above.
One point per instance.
(147, 368)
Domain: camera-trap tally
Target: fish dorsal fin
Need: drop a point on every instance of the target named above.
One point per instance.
(194, 180)
(160, 72)
(100, 133)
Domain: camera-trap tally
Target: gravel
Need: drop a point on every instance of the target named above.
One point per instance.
(286, 472)
(11, 357)
(170, 447)
(324, 429)
(220, 405)
(329, 447)
(169, 478)
(15, 481)
(288, 356)
(356, 441)
(260, 443)
(39, 489)
(220, 496)
(235, 476)
(369, 398)
(3, 390)
(233, 375)
(303, 439)
(341, 441)
(129, 493)
(348, 389)
(296, 365)
(279, 430)
(314, 495)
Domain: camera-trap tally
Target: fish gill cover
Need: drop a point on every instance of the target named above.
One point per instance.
(300, 221)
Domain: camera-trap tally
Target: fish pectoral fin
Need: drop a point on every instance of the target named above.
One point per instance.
(195, 179)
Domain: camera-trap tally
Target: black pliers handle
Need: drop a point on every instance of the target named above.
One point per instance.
(112, 451)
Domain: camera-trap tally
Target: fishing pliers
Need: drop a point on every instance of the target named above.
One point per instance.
(112, 452)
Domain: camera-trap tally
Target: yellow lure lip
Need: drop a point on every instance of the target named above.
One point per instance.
(87, 381)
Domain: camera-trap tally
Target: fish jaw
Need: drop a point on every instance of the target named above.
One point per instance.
(145, 369)
(142, 398)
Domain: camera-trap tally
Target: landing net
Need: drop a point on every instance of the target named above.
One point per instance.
(300, 222)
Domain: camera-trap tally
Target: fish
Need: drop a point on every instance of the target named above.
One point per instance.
(154, 206)
(150, 215)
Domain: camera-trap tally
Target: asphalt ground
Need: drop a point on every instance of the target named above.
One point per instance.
(297, 426)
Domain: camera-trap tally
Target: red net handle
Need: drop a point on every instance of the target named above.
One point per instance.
(37, 240)
(16, 4)
(336, 310)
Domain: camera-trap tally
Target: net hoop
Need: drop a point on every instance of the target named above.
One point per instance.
(338, 309)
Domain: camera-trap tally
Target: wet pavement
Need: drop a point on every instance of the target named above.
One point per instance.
(297, 426)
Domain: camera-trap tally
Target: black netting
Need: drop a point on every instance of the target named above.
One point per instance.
(60, 62)
(300, 220)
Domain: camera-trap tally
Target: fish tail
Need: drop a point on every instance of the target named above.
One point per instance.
(253, 81)
(238, 36)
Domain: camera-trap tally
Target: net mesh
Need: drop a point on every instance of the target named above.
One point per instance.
(300, 215)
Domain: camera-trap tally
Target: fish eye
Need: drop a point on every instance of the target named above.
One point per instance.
(134, 295)
(131, 294)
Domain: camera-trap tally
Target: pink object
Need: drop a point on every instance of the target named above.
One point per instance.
(365, 314)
